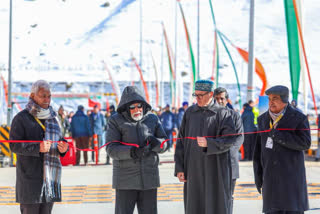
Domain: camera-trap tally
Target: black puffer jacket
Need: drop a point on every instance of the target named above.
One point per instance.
(129, 173)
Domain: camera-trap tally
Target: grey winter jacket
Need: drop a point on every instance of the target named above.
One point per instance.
(141, 174)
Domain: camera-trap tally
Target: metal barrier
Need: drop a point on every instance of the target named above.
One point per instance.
(7, 157)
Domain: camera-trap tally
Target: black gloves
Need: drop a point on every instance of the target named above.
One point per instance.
(153, 141)
(139, 153)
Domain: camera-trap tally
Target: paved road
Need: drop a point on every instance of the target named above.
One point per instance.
(87, 189)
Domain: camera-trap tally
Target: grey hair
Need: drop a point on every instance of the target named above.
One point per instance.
(220, 90)
(36, 86)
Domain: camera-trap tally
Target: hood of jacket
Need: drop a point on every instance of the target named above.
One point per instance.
(130, 95)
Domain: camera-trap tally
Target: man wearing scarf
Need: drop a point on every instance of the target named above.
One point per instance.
(278, 159)
(38, 164)
(202, 156)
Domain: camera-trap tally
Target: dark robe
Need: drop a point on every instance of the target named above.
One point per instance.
(207, 170)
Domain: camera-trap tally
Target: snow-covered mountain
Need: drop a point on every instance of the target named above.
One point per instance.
(66, 40)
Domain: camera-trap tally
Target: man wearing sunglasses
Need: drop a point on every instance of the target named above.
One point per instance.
(136, 135)
(204, 163)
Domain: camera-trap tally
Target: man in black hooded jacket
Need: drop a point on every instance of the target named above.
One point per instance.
(135, 135)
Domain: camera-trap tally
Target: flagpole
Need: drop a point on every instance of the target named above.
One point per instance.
(140, 61)
(303, 70)
(251, 64)
(175, 55)
(161, 68)
(198, 44)
(9, 67)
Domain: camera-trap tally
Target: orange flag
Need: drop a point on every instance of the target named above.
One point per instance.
(259, 69)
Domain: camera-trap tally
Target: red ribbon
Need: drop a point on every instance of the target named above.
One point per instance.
(163, 142)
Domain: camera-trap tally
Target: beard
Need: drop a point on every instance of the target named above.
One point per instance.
(137, 116)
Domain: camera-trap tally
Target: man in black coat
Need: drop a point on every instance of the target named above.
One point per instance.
(202, 156)
(38, 164)
(221, 96)
(279, 155)
(136, 135)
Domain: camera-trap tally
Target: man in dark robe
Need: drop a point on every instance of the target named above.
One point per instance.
(278, 159)
(202, 156)
(221, 96)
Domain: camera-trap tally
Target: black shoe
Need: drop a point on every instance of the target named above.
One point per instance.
(317, 159)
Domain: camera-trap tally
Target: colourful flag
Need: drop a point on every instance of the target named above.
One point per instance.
(194, 73)
(142, 80)
(114, 84)
(92, 103)
(259, 69)
(293, 47)
(156, 80)
(171, 66)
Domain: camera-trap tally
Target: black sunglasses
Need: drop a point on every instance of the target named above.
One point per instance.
(131, 107)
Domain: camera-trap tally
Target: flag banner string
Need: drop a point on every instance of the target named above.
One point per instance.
(163, 142)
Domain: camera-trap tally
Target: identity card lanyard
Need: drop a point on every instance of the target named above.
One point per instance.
(269, 143)
(276, 121)
(42, 126)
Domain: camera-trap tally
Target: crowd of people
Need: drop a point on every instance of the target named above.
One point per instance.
(210, 134)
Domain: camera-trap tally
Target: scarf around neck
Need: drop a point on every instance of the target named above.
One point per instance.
(51, 188)
(274, 116)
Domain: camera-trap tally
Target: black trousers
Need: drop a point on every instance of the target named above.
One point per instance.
(43, 208)
(248, 145)
(285, 212)
(146, 201)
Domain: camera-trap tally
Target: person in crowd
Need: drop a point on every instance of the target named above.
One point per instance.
(279, 168)
(249, 127)
(174, 110)
(168, 123)
(38, 178)
(111, 111)
(204, 164)
(97, 123)
(64, 122)
(88, 112)
(255, 111)
(70, 115)
(294, 104)
(136, 135)
(158, 111)
(221, 96)
(81, 133)
(181, 112)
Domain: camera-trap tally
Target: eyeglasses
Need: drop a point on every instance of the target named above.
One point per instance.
(200, 95)
(131, 107)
